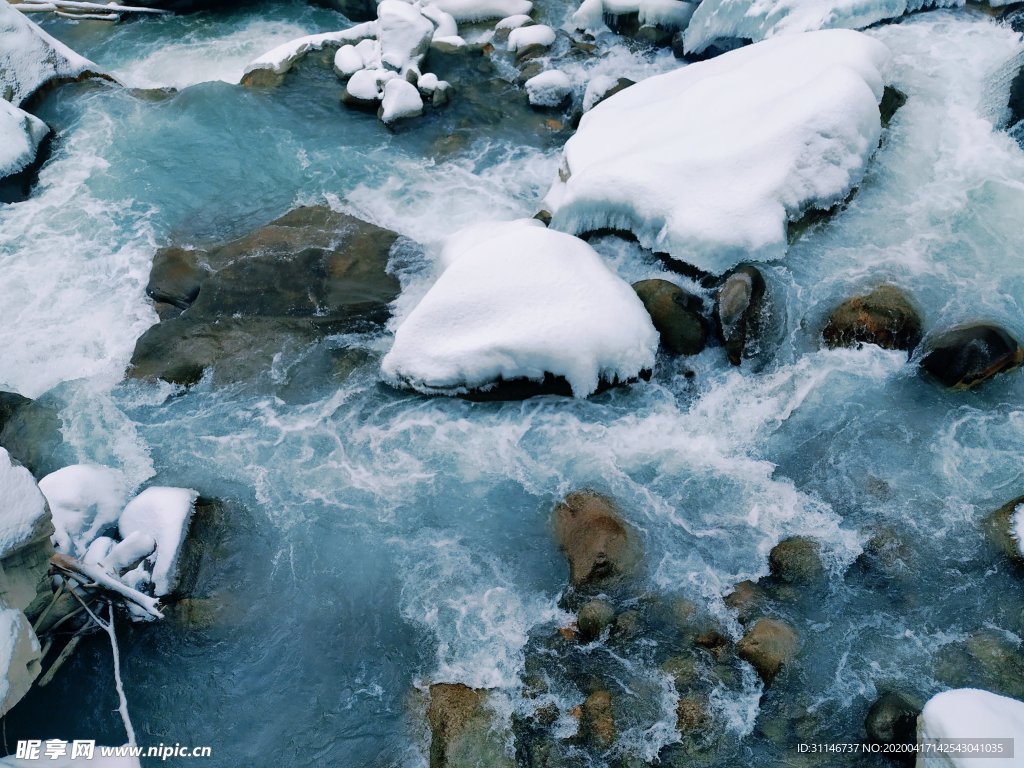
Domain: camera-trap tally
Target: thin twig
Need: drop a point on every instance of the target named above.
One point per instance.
(123, 707)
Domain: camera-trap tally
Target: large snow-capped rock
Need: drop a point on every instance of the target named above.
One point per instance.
(162, 514)
(23, 513)
(969, 713)
(19, 657)
(726, 20)
(709, 162)
(667, 14)
(517, 301)
(20, 136)
(30, 58)
(84, 499)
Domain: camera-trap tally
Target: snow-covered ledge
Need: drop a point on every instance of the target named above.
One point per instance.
(969, 713)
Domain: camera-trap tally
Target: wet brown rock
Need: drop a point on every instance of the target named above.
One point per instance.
(884, 317)
(461, 732)
(692, 715)
(767, 646)
(968, 355)
(597, 720)
(593, 618)
(594, 538)
(676, 314)
(746, 598)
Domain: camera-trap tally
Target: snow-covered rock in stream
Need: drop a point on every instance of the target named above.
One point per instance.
(517, 301)
(727, 20)
(404, 34)
(30, 58)
(19, 657)
(272, 65)
(970, 714)
(401, 101)
(535, 34)
(84, 499)
(482, 10)
(548, 89)
(594, 15)
(162, 514)
(674, 158)
(20, 137)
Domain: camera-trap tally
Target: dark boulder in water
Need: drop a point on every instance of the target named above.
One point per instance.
(676, 314)
(740, 312)
(30, 431)
(312, 273)
(595, 539)
(884, 317)
(892, 721)
(797, 561)
(965, 356)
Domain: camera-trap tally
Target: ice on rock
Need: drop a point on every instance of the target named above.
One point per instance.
(668, 14)
(30, 58)
(20, 137)
(482, 10)
(23, 512)
(515, 301)
(536, 34)
(19, 657)
(549, 88)
(401, 100)
(404, 34)
(675, 160)
(721, 20)
(84, 499)
(162, 514)
(969, 713)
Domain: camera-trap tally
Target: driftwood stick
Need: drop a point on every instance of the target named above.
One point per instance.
(63, 656)
(53, 601)
(122, 699)
(100, 578)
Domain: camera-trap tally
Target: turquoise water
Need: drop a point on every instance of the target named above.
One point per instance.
(376, 542)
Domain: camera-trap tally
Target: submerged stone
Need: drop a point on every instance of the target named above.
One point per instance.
(312, 273)
(597, 720)
(592, 534)
(968, 355)
(461, 728)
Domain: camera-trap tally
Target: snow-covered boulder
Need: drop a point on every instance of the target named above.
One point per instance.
(30, 58)
(969, 713)
(20, 137)
(19, 657)
(548, 89)
(535, 34)
(404, 34)
(482, 10)
(270, 67)
(84, 499)
(163, 515)
(709, 162)
(517, 301)
(726, 20)
(401, 101)
(594, 15)
(23, 513)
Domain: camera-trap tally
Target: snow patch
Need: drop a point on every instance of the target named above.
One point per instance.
(515, 301)
(482, 10)
(84, 499)
(23, 512)
(668, 14)
(401, 100)
(162, 514)
(674, 159)
(19, 657)
(536, 34)
(548, 89)
(20, 137)
(969, 713)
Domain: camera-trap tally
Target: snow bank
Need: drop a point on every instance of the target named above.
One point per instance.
(668, 14)
(968, 713)
(516, 300)
(20, 136)
(756, 20)
(84, 499)
(162, 514)
(548, 89)
(482, 10)
(30, 58)
(280, 59)
(19, 657)
(23, 513)
(708, 162)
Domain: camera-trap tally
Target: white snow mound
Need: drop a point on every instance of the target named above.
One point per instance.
(164, 515)
(23, 513)
(548, 89)
(709, 162)
(719, 20)
(515, 301)
(482, 10)
(668, 14)
(969, 713)
(30, 58)
(20, 136)
(84, 499)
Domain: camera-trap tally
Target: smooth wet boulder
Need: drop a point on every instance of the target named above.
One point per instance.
(1005, 529)
(884, 317)
(30, 430)
(676, 314)
(461, 728)
(593, 618)
(746, 599)
(740, 312)
(597, 720)
(767, 646)
(595, 539)
(968, 355)
(310, 274)
(892, 720)
(797, 561)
